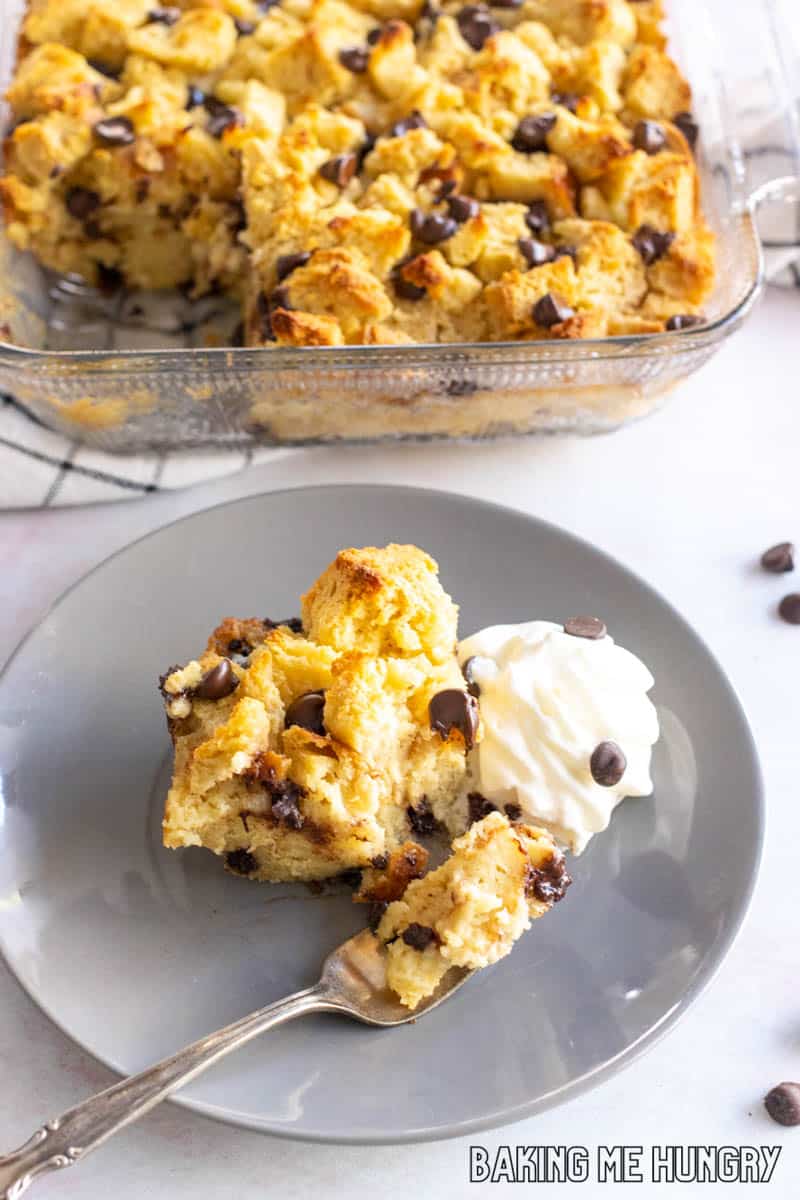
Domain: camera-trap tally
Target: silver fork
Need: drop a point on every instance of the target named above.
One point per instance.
(353, 982)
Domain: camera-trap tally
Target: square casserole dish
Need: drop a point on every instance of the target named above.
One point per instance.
(145, 372)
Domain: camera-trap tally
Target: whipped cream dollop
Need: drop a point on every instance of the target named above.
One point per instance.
(547, 700)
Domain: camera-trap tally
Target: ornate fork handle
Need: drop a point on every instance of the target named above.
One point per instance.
(68, 1138)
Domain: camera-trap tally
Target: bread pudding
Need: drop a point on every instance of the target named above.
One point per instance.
(367, 172)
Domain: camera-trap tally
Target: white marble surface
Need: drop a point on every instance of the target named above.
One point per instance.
(688, 498)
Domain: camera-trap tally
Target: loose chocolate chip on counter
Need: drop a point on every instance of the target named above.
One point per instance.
(688, 127)
(414, 120)
(339, 170)
(374, 36)
(81, 202)
(683, 321)
(783, 1103)
(375, 912)
(479, 807)
(476, 24)
(536, 253)
(454, 709)
(241, 862)
(468, 671)
(221, 117)
(308, 712)
(549, 311)
(432, 228)
(286, 263)
(537, 218)
(778, 559)
(789, 608)
(461, 208)
(421, 818)
(217, 683)
(419, 937)
(549, 882)
(164, 16)
(649, 136)
(355, 59)
(513, 811)
(568, 100)
(607, 764)
(195, 96)
(115, 131)
(585, 627)
(531, 133)
(651, 243)
(244, 28)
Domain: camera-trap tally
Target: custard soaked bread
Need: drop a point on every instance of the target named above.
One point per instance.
(379, 171)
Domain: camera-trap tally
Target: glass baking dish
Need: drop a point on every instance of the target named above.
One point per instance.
(154, 371)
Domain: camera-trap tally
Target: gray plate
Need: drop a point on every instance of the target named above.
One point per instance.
(135, 950)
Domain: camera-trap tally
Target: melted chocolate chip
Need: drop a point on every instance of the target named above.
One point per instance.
(293, 623)
(454, 709)
(549, 311)
(375, 913)
(280, 299)
(244, 28)
(239, 651)
(419, 937)
(649, 136)
(414, 120)
(783, 1103)
(286, 263)
(115, 131)
(431, 228)
(217, 683)
(81, 202)
(241, 862)
(585, 627)
(164, 16)
(307, 711)
(476, 24)
(531, 133)
(789, 608)
(104, 68)
(195, 96)
(285, 806)
(355, 59)
(537, 218)
(683, 321)
(462, 208)
(651, 243)
(607, 764)
(404, 288)
(467, 670)
(421, 818)
(566, 251)
(374, 36)
(339, 170)
(536, 253)
(549, 882)
(688, 127)
(221, 117)
(479, 807)
(568, 100)
(778, 559)
(513, 811)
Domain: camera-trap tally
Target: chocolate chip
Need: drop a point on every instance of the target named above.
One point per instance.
(244, 28)
(221, 117)
(241, 862)
(537, 218)
(585, 627)
(549, 311)
(607, 764)
(339, 170)
(479, 807)
(374, 35)
(454, 709)
(217, 683)
(531, 133)
(468, 671)
(104, 68)
(81, 202)
(355, 59)
(513, 811)
(164, 16)
(476, 24)
(651, 243)
(688, 127)
(419, 937)
(375, 913)
(536, 253)
(194, 96)
(115, 131)
(162, 679)
(414, 120)
(549, 882)
(404, 288)
(421, 818)
(461, 208)
(308, 712)
(783, 1103)
(568, 100)
(286, 263)
(293, 623)
(280, 299)
(432, 228)
(649, 136)
(461, 387)
(239, 646)
(778, 559)
(683, 321)
(566, 251)
(285, 808)
(789, 608)
(109, 279)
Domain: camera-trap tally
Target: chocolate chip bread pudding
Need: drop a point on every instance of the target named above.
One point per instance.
(374, 172)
